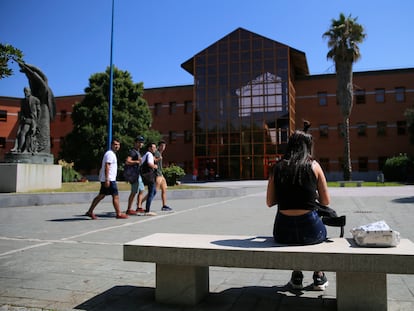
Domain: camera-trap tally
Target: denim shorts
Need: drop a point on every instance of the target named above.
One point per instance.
(111, 190)
(299, 230)
(138, 186)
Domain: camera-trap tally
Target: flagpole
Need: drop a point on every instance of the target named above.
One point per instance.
(111, 82)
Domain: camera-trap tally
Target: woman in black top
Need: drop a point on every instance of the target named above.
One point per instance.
(296, 183)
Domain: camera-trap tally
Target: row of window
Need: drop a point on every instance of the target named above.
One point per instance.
(361, 165)
(360, 96)
(172, 108)
(3, 115)
(172, 138)
(362, 128)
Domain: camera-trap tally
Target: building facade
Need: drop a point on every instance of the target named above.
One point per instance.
(378, 127)
(249, 94)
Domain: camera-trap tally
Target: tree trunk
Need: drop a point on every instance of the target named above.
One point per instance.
(347, 168)
(344, 96)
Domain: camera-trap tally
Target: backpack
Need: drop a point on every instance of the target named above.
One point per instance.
(131, 173)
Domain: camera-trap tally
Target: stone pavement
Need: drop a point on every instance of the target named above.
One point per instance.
(54, 258)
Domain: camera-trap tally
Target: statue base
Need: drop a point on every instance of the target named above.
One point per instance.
(26, 157)
(23, 177)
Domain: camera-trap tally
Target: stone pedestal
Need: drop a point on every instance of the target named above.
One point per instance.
(26, 157)
(23, 177)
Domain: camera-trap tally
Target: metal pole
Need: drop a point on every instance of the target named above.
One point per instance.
(111, 82)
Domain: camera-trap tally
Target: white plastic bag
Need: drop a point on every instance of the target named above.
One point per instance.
(377, 234)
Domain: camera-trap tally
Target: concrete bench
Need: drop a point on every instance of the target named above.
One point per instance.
(357, 182)
(183, 261)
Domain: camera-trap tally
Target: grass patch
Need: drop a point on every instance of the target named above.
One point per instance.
(366, 184)
(94, 186)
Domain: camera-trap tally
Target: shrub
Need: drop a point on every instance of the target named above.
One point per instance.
(397, 168)
(68, 172)
(172, 174)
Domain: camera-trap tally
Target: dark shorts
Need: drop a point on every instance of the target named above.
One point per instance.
(111, 190)
(299, 230)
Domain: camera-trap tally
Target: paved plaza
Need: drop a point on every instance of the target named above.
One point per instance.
(54, 258)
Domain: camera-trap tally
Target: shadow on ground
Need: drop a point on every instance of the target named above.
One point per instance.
(249, 298)
(405, 200)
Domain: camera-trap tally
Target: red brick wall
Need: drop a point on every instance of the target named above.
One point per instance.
(371, 145)
(179, 151)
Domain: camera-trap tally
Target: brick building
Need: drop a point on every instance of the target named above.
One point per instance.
(249, 94)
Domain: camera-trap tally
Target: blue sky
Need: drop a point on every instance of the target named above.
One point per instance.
(69, 40)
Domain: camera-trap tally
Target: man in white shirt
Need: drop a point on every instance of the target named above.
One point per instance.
(148, 158)
(107, 177)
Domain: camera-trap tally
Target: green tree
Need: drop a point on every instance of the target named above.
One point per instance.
(8, 53)
(409, 114)
(343, 36)
(131, 116)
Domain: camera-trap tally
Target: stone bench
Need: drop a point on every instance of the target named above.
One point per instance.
(183, 261)
(357, 182)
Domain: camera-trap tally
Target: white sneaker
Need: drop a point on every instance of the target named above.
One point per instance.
(320, 282)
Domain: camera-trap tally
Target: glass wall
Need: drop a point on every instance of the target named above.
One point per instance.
(242, 106)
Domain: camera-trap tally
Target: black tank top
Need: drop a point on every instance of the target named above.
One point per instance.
(295, 193)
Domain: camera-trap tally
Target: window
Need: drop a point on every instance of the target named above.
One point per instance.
(172, 137)
(362, 129)
(172, 107)
(3, 115)
(341, 163)
(324, 162)
(379, 95)
(157, 109)
(363, 164)
(188, 107)
(401, 128)
(63, 115)
(323, 130)
(360, 96)
(188, 136)
(400, 94)
(341, 130)
(322, 98)
(381, 128)
(2, 142)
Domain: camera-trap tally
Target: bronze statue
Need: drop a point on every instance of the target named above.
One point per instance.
(38, 109)
(27, 131)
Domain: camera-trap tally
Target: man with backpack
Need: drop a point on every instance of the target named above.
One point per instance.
(137, 186)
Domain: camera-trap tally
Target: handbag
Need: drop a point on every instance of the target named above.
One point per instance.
(147, 173)
(330, 217)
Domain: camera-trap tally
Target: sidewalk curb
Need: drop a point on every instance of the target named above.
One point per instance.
(40, 199)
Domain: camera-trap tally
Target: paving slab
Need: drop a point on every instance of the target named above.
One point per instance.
(54, 258)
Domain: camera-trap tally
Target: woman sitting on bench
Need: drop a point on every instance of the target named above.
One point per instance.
(295, 184)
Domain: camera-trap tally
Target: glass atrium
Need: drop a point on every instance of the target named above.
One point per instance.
(244, 104)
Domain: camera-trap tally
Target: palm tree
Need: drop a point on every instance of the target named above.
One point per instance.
(343, 36)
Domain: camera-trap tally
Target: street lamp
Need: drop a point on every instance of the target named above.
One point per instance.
(111, 82)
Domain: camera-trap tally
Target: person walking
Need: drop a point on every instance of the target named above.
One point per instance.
(295, 185)
(107, 177)
(134, 158)
(161, 183)
(148, 160)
